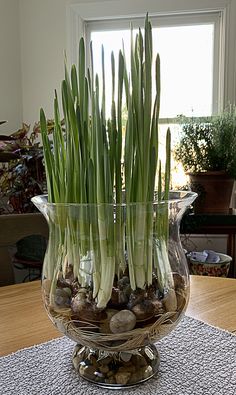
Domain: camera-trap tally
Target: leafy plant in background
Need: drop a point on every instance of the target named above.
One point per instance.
(22, 172)
(208, 144)
(195, 147)
(224, 140)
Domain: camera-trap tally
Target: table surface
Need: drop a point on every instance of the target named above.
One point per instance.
(25, 323)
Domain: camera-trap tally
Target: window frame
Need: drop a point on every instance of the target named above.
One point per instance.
(79, 12)
(167, 21)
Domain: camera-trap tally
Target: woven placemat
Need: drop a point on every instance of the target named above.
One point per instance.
(196, 359)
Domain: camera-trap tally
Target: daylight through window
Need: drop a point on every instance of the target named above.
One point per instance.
(189, 53)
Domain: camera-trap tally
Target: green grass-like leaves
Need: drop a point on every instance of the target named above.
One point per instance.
(86, 164)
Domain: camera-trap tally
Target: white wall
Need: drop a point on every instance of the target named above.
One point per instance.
(43, 42)
(32, 59)
(10, 67)
(216, 243)
(44, 39)
(46, 31)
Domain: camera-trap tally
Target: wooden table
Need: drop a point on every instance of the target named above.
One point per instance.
(24, 322)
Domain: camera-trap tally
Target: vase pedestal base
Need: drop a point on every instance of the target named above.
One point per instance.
(116, 369)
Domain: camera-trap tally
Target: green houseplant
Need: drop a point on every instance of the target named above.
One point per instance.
(22, 173)
(22, 176)
(115, 277)
(206, 150)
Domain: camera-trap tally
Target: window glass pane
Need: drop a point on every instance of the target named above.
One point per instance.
(178, 176)
(186, 54)
(111, 41)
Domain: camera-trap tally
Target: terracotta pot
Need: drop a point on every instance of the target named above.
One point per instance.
(214, 190)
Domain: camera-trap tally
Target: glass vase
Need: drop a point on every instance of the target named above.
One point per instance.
(115, 280)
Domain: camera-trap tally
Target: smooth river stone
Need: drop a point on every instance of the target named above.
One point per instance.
(62, 297)
(143, 310)
(123, 321)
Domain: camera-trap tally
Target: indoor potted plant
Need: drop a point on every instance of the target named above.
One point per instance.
(206, 150)
(115, 278)
(22, 176)
(22, 173)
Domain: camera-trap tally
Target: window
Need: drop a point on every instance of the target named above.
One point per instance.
(222, 13)
(189, 53)
(188, 48)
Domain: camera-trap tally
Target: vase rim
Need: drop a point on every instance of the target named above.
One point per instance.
(174, 197)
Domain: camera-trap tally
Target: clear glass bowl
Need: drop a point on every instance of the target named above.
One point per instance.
(115, 280)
